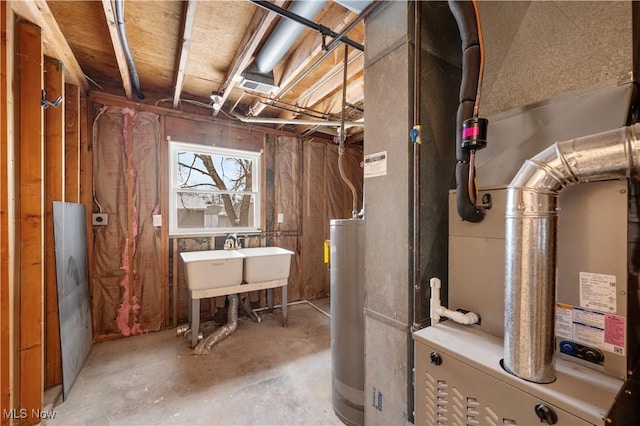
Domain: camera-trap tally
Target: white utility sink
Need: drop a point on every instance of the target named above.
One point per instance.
(212, 268)
(266, 264)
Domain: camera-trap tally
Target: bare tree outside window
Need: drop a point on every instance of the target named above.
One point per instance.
(215, 189)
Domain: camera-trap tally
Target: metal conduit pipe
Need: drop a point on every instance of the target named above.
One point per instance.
(300, 122)
(286, 33)
(531, 223)
(418, 315)
(125, 46)
(345, 179)
(221, 333)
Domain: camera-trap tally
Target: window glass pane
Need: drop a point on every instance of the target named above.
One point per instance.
(211, 172)
(214, 210)
(213, 189)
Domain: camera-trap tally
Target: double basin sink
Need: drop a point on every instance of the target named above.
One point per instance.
(223, 268)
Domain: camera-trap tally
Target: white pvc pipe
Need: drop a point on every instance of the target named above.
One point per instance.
(437, 310)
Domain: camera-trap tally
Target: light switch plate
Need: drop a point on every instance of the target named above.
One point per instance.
(157, 220)
(280, 218)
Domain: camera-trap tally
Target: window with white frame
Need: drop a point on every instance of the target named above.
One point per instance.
(213, 190)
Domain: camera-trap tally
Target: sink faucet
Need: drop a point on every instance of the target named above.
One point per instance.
(231, 243)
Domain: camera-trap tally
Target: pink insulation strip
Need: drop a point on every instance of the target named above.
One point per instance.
(122, 317)
(129, 308)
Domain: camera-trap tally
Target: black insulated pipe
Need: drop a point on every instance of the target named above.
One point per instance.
(135, 81)
(465, 16)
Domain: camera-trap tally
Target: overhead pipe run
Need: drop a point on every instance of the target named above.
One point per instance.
(258, 120)
(125, 46)
(531, 239)
(342, 136)
(470, 130)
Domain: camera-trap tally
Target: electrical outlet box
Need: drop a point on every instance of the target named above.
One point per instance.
(280, 218)
(157, 220)
(99, 219)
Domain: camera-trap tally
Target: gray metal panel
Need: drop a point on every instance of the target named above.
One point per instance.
(521, 133)
(493, 224)
(538, 50)
(477, 280)
(70, 238)
(386, 379)
(476, 263)
(386, 27)
(471, 364)
(387, 228)
(593, 238)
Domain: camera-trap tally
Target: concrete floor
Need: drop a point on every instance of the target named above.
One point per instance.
(262, 374)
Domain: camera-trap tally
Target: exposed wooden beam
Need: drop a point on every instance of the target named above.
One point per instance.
(121, 58)
(30, 234)
(108, 99)
(260, 23)
(191, 8)
(332, 80)
(329, 87)
(8, 367)
(72, 143)
(53, 191)
(308, 50)
(332, 104)
(38, 12)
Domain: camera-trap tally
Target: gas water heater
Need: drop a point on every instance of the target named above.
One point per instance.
(347, 319)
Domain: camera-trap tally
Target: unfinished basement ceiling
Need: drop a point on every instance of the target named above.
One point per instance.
(217, 40)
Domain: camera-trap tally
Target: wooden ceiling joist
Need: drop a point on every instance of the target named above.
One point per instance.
(191, 8)
(333, 82)
(38, 12)
(121, 59)
(260, 23)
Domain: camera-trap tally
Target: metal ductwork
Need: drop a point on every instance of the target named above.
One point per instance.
(221, 333)
(531, 239)
(355, 6)
(259, 75)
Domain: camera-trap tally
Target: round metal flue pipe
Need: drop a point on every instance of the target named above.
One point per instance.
(285, 34)
(531, 223)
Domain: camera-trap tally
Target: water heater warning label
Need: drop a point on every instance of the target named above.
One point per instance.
(375, 164)
(598, 291)
(591, 328)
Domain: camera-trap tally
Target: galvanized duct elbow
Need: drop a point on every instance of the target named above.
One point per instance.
(531, 239)
(221, 333)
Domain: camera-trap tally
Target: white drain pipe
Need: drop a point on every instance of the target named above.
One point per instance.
(438, 311)
(531, 223)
